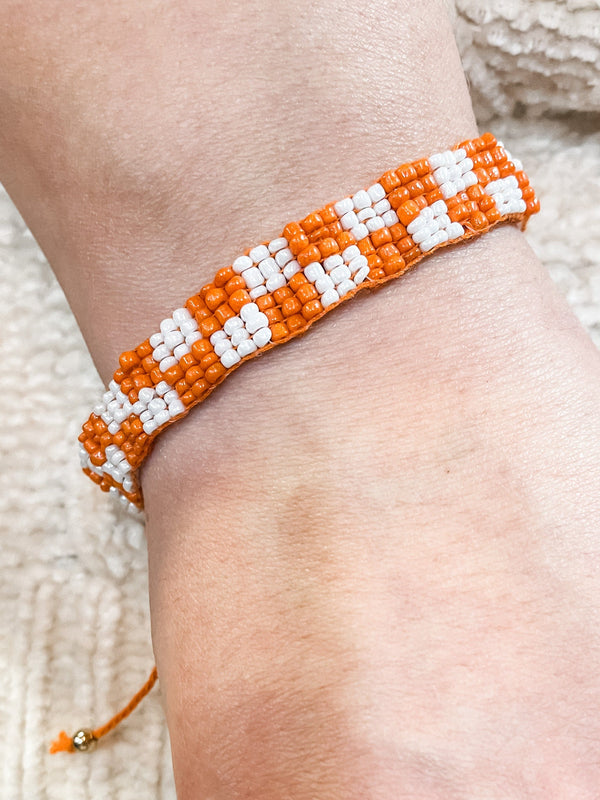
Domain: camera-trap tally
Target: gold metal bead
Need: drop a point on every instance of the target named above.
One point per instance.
(84, 740)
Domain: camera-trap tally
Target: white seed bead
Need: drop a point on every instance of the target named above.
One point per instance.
(439, 207)
(361, 199)
(248, 311)
(376, 192)
(146, 415)
(117, 456)
(381, 206)
(222, 346)
(275, 282)
(258, 291)
(454, 230)
(358, 262)
(425, 232)
(193, 337)
(238, 336)
(283, 256)
(291, 268)
(112, 448)
(350, 252)
(162, 388)
(146, 394)
(173, 338)
(162, 351)
(459, 185)
(99, 409)
(329, 297)
(123, 468)
(334, 261)
(150, 426)
(121, 398)
(470, 179)
(188, 326)
(349, 220)
(113, 406)
(241, 263)
(340, 274)
(246, 347)
(427, 213)
(180, 351)
(262, 337)
(253, 277)
(138, 408)
(167, 363)
(460, 154)
(170, 396)
(314, 271)
(162, 417)
(230, 357)
(390, 218)
(180, 315)
(429, 243)
(259, 320)
(361, 231)
(323, 284)
(443, 220)
(345, 286)
(232, 324)
(277, 244)
(120, 415)
(258, 253)
(156, 405)
(417, 224)
(495, 186)
(114, 387)
(167, 325)
(441, 175)
(176, 407)
(268, 267)
(365, 214)
(466, 165)
(107, 418)
(447, 190)
(375, 224)
(361, 275)
(216, 337)
(437, 160)
(343, 206)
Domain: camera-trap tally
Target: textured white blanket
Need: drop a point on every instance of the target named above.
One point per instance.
(74, 625)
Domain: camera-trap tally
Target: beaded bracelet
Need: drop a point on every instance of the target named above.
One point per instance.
(276, 290)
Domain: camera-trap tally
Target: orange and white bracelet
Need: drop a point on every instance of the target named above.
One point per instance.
(276, 290)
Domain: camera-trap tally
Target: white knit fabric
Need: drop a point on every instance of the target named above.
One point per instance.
(74, 626)
(539, 55)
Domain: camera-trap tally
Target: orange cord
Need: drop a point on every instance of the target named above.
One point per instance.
(65, 743)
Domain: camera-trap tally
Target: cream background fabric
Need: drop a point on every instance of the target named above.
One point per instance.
(74, 625)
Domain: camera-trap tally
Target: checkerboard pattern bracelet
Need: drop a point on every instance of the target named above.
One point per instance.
(277, 289)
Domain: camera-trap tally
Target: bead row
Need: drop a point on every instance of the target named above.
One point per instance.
(276, 290)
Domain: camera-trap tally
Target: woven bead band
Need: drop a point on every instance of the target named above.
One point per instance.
(276, 290)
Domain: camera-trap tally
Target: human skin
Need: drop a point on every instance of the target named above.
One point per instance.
(373, 553)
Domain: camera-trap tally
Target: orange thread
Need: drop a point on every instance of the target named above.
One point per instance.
(65, 743)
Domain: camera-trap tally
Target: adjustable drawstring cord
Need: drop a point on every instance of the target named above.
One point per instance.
(85, 739)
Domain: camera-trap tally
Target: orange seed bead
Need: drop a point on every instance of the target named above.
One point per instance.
(214, 297)
(306, 292)
(311, 309)
(214, 372)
